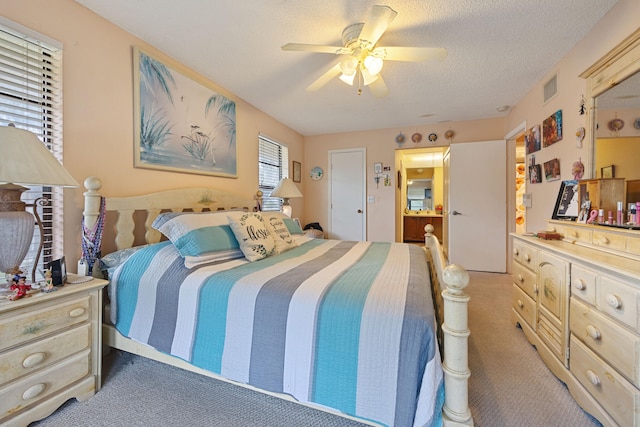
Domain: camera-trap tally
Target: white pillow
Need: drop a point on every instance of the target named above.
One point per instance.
(279, 231)
(252, 234)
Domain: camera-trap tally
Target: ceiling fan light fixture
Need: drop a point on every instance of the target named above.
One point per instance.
(348, 79)
(348, 65)
(373, 64)
(367, 77)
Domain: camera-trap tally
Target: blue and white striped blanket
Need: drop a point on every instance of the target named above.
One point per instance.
(348, 325)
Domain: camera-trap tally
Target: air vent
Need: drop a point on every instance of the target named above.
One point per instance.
(551, 88)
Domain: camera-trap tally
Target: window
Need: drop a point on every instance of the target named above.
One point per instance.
(31, 99)
(273, 161)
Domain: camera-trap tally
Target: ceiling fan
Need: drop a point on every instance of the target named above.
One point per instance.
(361, 58)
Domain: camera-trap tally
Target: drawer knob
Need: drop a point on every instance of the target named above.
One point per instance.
(520, 304)
(535, 288)
(579, 284)
(614, 301)
(33, 359)
(593, 332)
(516, 252)
(593, 378)
(574, 234)
(527, 257)
(33, 391)
(604, 240)
(77, 312)
(520, 278)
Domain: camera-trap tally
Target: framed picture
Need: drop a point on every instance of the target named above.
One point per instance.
(181, 123)
(532, 139)
(608, 172)
(567, 204)
(377, 168)
(552, 170)
(552, 129)
(535, 174)
(297, 171)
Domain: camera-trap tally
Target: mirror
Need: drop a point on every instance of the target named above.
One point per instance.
(617, 142)
(613, 86)
(419, 194)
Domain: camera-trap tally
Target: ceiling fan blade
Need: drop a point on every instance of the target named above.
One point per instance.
(379, 88)
(324, 79)
(301, 47)
(413, 54)
(376, 24)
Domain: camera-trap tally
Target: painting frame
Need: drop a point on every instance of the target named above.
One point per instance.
(608, 172)
(567, 204)
(182, 122)
(552, 129)
(297, 171)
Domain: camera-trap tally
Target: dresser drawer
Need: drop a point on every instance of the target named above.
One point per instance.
(608, 240)
(525, 279)
(19, 395)
(29, 358)
(524, 254)
(615, 394)
(583, 283)
(611, 341)
(524, 306)
(619, 300)
(34, 322)
(577, 234)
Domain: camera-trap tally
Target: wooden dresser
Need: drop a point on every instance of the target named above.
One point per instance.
(414, 227)
(50, 351)
(577, 300)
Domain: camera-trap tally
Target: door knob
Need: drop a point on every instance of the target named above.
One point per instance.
(455, 213)
(359, 210)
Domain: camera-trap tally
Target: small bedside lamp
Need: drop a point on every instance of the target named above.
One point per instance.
(25, 160)
(286, 189)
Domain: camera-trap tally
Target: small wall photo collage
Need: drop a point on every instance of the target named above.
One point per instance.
(535, 139)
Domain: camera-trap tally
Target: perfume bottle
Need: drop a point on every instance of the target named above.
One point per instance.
(601, 216)
(620, 214)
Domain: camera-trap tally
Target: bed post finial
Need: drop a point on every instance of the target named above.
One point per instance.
(92, 199)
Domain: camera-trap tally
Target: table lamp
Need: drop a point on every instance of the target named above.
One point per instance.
(24, 160)
(286, 189)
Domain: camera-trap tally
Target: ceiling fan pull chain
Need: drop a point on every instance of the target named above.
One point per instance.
(359, 82)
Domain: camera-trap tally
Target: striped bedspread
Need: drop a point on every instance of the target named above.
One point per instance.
(348, 325)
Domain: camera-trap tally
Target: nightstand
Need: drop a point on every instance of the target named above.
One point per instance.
(50, 350)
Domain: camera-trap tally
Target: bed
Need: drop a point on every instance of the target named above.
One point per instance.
(210, 284)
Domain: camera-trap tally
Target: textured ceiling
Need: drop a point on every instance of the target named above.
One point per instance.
(497, 51)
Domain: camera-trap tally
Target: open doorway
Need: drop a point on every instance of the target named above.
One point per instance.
(516, 187)
(420, 192)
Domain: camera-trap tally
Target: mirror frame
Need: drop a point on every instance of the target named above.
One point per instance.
(617, 65)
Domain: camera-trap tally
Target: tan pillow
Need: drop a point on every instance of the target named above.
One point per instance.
(279, 231)
(252, 234)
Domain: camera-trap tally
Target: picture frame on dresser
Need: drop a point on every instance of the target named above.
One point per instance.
(567, 203)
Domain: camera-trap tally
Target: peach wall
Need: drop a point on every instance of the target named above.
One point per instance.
(98, 112)
(380, 146)
(620, 22)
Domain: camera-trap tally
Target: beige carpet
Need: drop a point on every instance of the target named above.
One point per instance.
(510, 384)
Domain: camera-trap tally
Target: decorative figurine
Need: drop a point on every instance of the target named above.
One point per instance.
(48, 282)
(19, 287)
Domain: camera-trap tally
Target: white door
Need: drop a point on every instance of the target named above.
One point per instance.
(347, 193)
(477, 211)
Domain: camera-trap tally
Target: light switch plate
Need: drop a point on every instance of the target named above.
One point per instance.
(526, 200)
(371, 199)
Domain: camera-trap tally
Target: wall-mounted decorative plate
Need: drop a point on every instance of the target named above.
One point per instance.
(433, 137)
(316, 173)
(615, 125)
(636, 123)
(416, 137)
(400, 138)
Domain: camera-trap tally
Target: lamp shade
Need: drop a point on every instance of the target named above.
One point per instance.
(26, 160)
(286, 189)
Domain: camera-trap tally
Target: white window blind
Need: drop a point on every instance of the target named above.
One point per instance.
(31, 99)
(273, 161)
